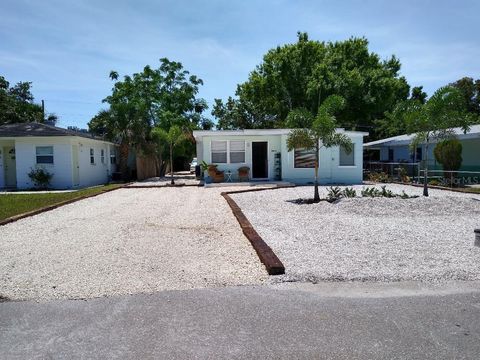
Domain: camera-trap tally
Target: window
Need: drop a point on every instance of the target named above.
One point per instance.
(102, 156)
(345, 158)
(92, 157)
(418, 154)
(219, 152)
(44, 154)
(304, 158)
(237, 151)
(390, 155)
(113, 158)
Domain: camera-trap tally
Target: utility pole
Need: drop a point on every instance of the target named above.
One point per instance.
(43, 111)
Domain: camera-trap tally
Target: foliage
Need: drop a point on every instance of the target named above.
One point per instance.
(349, 192)
(378, 177)
(471, 92)
(321, 131)
(302, 75)
(433, 120)
(402, 173)
(449, 154)
(173, 137)
(373, 192)
(160, 98)
(41, 178)
(17, 104)
(204, 165)
(334, 194)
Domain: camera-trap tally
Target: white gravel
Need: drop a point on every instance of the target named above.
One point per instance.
(381, 239)
(127, 241)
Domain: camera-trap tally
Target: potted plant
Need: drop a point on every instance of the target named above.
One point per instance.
(205, 168)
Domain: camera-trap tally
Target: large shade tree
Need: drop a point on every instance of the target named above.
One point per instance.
(304, 74)
(154, 98)
(432, 121)
(17, 104)
(312, 132)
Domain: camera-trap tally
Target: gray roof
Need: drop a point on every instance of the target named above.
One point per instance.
(405, 139)
(37, 129)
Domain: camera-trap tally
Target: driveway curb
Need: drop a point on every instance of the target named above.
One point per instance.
(272, 263)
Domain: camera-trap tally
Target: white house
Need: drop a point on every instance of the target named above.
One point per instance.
(265, 152)
(75, 159)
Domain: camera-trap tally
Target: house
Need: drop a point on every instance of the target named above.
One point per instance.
(75, 159)
(397, 149)
(265, 152)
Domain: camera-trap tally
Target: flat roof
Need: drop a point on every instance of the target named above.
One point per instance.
(250, 132)
(405, 139)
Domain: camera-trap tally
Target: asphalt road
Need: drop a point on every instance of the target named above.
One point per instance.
(294, 321)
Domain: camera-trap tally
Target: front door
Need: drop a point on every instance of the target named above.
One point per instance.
(260, 160)
(75, 166)
(10, 167)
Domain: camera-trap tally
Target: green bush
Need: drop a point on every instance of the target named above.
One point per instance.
(378, 177)
(349, 192)
(449, 154)
(41, 178)
(334, 193)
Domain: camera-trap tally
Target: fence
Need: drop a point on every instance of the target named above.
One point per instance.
(414, 171)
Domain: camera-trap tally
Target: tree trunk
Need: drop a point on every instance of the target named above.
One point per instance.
(316, 195)
(425, 171)
(171, 165)
(123, 161)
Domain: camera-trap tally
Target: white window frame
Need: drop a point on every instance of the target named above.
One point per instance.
(92, 156)
(340, 158)
(236, 151)
(102, 156)
(52, 155)
(228, 157)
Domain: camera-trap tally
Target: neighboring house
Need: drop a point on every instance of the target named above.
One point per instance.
(265, 152)
(397, 149)
(75, 159)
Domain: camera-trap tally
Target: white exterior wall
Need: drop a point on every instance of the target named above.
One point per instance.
(62, 167)
(205, 147)
(98, 172)
(329, 169)
(26, 161)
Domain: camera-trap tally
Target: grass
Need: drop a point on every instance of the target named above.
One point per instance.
(12, 204)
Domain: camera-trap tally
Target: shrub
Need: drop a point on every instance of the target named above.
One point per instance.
(334, 193)
(402, 173)
(371, 192)
(386, 193)
(378, 177)
(349, 192)
(449, 154)
(41, 178)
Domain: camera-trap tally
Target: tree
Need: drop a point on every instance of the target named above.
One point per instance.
(433, 120)
(449, 154)
(17, 104)
(173, 137)
(161, 97)
(471, 91)
(319, 131)
(304, 74)
(418, 94)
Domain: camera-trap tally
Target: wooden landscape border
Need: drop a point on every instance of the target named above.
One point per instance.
(54, 206)
(271, 261)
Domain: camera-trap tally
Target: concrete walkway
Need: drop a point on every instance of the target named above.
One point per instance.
(294, 321)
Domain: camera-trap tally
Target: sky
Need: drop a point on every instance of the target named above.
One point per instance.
(67, 48)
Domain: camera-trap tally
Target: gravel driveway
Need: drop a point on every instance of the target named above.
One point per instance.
(377, 239)
(127, 241)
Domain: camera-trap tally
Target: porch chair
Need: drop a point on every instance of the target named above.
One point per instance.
(244, 173)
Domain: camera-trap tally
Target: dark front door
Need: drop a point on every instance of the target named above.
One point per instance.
(260, 159)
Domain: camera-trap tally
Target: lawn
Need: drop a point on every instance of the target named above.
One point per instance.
(13, 204)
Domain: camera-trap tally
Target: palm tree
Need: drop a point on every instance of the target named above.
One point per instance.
(174, 136)
(322, 131)
(433, 120)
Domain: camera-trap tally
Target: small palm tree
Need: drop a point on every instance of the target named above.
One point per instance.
(433, 120)
(322, 132)
(173, 137)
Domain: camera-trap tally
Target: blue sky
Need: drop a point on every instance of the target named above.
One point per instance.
(67, 48)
